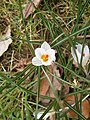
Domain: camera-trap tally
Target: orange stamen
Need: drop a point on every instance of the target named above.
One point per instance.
(44, 57)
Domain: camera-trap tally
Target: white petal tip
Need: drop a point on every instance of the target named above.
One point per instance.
(36, 61)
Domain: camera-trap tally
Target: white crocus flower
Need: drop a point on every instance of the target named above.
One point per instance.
(44, 55)
(85, 57)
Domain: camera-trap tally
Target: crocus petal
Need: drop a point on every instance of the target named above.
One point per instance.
(36, 61)
(86, 50)
(45, 46)
(85, 60)
(79, 48)
(51, 54)
(39, 52)
(74, 55)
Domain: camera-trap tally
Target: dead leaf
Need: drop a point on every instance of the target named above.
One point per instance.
(56, 84)
(5, 36)
(65, 89)
(71, 99)
(45, 88)
(85, 106)
(30, 8)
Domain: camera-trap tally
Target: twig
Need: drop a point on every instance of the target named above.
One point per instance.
(82, 36)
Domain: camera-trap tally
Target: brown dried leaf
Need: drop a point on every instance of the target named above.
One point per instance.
(71, 99)
(85, 106)
(30, 8)
(45, 88)
(55, 82)
(65, 89)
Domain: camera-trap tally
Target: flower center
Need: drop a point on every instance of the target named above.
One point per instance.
(44, 57)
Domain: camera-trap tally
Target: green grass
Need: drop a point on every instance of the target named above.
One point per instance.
(59, 22)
